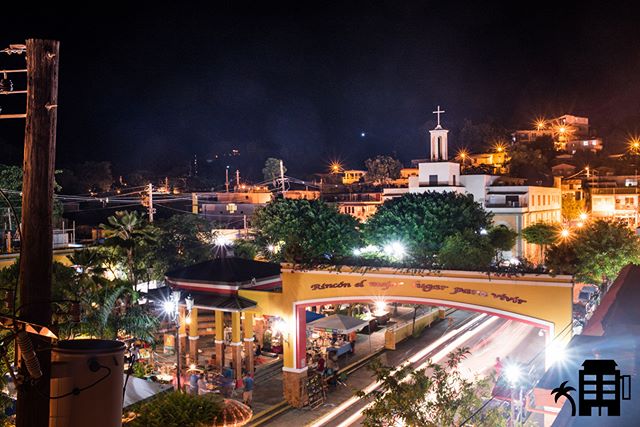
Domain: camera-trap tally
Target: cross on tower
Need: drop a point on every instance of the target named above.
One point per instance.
(438, 112)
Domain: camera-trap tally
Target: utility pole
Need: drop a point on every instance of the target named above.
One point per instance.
(36, 254)
(237, 179)
(151, 210)
(282, 176)
(226, 179)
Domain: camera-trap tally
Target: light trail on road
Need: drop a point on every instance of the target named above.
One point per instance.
(436, 358)
(478, 321)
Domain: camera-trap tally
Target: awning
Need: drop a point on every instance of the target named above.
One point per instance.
(311, 316)
(139, 390)
(338, 323)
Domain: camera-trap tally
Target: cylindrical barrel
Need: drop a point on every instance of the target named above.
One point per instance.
(86, 384)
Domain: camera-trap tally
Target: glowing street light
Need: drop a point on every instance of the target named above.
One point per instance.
(540, 123)
(171, 308)
(512, 374)
(499, 147)
(634, 144)
(395, 250)
(380, 308)
(222, 240)
(462, 155)
(583, 216)
(335, 167)
(565, 233)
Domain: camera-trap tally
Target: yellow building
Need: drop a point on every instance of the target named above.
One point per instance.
(352, 176)
(251, 296)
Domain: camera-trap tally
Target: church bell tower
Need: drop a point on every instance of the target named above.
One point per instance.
(439, 144)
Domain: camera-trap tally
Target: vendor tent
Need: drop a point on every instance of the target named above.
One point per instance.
(311, 316)
(338, 323)
(139, 390)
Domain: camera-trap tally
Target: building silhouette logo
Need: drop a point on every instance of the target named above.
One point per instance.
(600, 386)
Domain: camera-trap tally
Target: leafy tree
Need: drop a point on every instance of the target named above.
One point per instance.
(546, 145)
(502, 238)
(177, 409)
(526, 162)
(478, 135)
(271, 170)
(128, 232)
(562, 258)
(244, 248)
(438, 395)
(597, 252)
(110, 314)
(382, 168)
(11, 179)
(181, 240)
(422, 222)
(304, 231)
(571, 208)
(541, 234)
(94, 176)
(466, 251)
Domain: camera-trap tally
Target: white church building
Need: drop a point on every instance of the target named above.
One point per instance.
(512, 202)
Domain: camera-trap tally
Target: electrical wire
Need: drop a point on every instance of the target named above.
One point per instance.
(77, 390)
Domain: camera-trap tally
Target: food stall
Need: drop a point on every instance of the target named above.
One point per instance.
(331, 334)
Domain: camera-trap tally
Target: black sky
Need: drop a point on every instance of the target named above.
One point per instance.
(149, 87)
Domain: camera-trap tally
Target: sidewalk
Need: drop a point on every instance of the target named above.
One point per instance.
(362, 377)
(269, 393)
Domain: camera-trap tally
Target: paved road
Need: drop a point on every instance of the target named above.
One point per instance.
(362, 378)
(497, 338)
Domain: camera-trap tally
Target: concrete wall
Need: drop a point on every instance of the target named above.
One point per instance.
(395, 335)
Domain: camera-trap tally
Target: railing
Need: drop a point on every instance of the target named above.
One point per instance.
(614, 190)
(507, 205)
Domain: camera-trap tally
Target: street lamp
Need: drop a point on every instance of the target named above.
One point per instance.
(513, 375)
(171, 309)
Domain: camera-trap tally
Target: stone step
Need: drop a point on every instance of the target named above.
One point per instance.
(263, 373)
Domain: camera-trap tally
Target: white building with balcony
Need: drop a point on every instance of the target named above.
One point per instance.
(512, 202)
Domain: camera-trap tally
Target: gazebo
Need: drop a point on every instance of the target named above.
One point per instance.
(213, 286)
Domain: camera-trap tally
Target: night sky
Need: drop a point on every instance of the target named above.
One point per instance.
(149, 88)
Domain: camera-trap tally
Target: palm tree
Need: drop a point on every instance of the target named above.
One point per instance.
(129, 230)
(110, 317)
(564, 391)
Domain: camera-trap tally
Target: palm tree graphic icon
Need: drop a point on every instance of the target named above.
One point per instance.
(564, 391)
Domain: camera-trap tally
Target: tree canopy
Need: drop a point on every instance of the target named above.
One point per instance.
(466, 251)
(437, 395)
(302, 231)
(541, 234)
(271, 170)
(383, 168)
(181, 240)
(571, 208)
(596, 252)
(130, 233)
(422, 222)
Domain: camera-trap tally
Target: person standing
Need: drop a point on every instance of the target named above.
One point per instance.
(352, 341)
(193, 383)
(247, 394)
(202, 385)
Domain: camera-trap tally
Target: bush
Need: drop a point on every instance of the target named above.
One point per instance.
(178, 410)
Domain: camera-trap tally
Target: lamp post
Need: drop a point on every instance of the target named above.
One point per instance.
(513, 375)
(171, 309)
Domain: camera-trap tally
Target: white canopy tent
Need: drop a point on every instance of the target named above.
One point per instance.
(338, 323)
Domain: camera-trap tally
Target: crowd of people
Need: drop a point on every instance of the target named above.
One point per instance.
(221, 381)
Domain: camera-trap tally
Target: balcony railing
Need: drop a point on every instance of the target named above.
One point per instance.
(506, 205)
